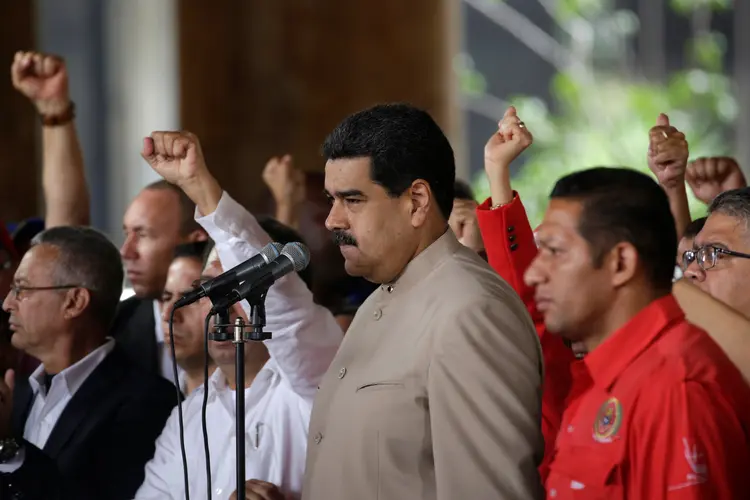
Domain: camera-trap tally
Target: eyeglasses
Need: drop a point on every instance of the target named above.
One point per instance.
(17, 290)
(708, 256)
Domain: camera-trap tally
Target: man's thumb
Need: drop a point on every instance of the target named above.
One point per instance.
(662, 120)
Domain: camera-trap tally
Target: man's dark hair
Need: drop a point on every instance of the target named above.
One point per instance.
(734, 203)
(192, 250)
(89, 260)
(619, 205)
(692, 229)
(462, 191)
(281, 233)
(403, 144)
(187, 207)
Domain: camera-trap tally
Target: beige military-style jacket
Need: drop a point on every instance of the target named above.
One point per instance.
(435, 392)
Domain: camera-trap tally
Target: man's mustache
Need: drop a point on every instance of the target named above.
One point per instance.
(341, 238)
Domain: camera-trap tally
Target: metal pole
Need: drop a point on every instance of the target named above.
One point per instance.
(239, 410)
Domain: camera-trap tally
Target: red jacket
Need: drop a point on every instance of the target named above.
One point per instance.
(510, 246)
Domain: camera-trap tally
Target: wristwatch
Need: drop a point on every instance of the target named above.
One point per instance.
(9, 448)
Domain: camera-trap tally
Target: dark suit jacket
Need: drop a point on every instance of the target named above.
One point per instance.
(134, 328)
(100, 445)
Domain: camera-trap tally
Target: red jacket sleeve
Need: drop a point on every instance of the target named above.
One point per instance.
(510, 246)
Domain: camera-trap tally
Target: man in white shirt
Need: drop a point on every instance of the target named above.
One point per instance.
(282, 374)
(84, 424)
(188, 329)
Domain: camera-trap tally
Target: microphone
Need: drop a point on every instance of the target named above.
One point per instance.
(233, 277)
(294, 258)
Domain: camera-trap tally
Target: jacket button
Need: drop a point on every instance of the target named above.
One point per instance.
(342, 372)
(511, 229)
(512, 237)
(513, 246)
(377, 314)
(318, 438)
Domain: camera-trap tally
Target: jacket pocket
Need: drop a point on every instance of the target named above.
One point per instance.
(380, 386)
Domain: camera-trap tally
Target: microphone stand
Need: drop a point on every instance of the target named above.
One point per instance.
(240, 336)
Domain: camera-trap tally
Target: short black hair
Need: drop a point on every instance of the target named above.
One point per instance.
(621, 204)
(187, 207)
(281, 233)
(692, 229)
(403, 144)
(192, 250)
(89, 260)
(735, 203)
(462, 191)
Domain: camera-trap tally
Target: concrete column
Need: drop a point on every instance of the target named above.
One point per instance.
(73, 29)
(142, 81)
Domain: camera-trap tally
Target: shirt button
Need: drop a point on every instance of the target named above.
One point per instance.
(318, 438)
(342, 372)
(389, 288)
(571, 428)
(552, 493)
(377, 314)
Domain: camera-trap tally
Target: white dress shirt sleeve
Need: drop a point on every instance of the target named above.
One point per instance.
(305, 335)
(164, 474)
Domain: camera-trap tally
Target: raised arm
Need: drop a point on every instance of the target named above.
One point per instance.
(44, 80)
(667, 159)
(305, 335)
(509, 243)
(287, 185)
(728, 328)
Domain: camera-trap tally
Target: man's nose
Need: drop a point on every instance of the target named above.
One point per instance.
(694, 272)
(128, 249)
(336, 218)
(534, 274)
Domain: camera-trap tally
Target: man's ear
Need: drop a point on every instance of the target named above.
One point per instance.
(197, 235)
(622, 260)
(420, 200)
(77, 300)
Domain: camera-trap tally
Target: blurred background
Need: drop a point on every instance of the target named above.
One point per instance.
(260, 78)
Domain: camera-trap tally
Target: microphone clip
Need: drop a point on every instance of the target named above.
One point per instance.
(240, 331)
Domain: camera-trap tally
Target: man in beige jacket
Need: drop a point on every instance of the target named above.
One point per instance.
(435, 391)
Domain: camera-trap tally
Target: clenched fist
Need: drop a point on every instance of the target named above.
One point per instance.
(43, 79)
(667, 153)
(176, 156)
(260, 490)
(709, 177)
(463, 221)
(287, 183)
(510, 140)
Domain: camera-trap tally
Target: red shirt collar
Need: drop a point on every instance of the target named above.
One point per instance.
(612, 357)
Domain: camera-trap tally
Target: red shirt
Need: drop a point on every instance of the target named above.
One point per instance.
(666, 415)
(509, 243)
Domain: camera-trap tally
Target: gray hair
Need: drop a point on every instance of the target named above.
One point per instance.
(734, 203)
(89, 260)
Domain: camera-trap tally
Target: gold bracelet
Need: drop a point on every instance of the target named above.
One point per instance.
(498, 205)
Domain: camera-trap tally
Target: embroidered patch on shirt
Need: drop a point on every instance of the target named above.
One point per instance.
(608, 421)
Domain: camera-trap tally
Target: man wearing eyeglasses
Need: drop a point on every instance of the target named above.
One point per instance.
(83, 425)
(719, 263)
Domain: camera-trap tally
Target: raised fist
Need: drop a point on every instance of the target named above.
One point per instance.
(176, 156)
(505, 145)
(667, 153)
(287, 183)
(43, 79)
(463, 221)
(709, 177)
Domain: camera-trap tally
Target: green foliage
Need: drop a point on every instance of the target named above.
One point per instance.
(602, 117)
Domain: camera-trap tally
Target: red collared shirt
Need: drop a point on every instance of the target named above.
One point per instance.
(666, 416)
